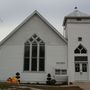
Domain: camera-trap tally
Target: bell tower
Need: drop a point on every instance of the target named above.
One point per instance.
(77, 32)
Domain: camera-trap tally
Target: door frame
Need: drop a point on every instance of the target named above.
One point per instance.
(81, 72)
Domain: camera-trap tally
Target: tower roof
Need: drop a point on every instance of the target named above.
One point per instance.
(75, 14)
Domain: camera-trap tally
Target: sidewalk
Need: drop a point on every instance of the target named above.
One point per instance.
(84, 85)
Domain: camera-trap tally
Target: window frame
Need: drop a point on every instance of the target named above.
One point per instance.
(79, 39)
(26, 57)
(81, 58)
(77, 67)
(60, 72)
(84, 67)
(38, 54)
(80, 48)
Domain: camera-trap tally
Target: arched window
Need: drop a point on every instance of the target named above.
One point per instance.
(81, 61)
(35, 52)
(80, 50)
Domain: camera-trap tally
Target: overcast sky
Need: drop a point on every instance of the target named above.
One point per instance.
(13, 12)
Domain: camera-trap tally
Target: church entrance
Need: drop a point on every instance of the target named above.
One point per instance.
(81, 71)
(81, 63)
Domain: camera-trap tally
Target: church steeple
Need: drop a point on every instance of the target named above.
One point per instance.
(75, 17)
(75, 14)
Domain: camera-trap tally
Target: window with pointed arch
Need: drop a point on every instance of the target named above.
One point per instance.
(34, 54)
(81, 60)
(80, 50)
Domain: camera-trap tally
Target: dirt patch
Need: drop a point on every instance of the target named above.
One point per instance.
(57, 87)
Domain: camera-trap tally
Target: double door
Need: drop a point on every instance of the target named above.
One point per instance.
(81, 71)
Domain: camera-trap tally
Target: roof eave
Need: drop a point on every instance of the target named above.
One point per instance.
(74, 17)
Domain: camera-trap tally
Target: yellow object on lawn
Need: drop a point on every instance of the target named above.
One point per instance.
(13, 80)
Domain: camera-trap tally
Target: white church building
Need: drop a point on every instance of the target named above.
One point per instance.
(35, 48)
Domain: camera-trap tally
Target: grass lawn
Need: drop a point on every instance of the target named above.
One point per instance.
(56, 87)
(9, 86)
(4, 85)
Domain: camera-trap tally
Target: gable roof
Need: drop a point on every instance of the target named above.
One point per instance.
(42, 18)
